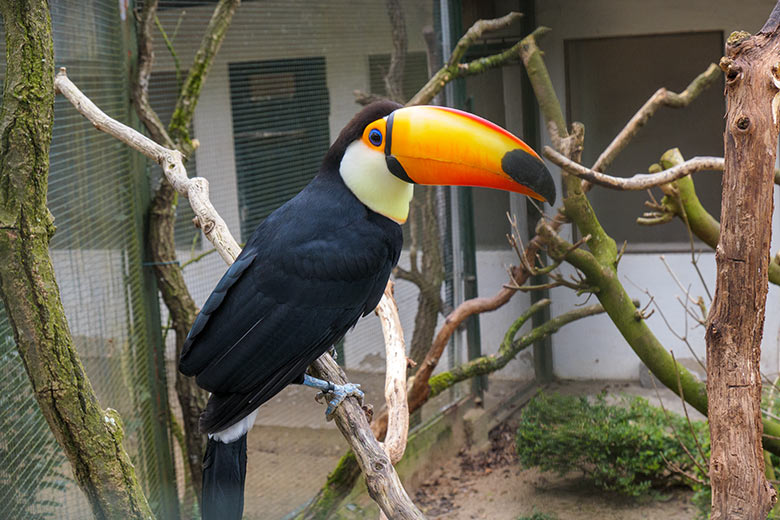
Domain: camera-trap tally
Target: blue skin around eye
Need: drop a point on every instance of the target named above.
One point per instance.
(375, 136)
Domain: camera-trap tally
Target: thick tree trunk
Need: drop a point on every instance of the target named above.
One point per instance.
(429, 276)
(736, 320)
(170, 278)
(90, 437)
(394, 79)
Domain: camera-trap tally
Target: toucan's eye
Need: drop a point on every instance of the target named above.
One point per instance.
(375, 137)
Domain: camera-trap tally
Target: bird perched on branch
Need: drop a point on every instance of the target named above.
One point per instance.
(322, 260)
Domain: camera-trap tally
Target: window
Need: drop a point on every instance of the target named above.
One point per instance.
(608, 79)
(281, 133)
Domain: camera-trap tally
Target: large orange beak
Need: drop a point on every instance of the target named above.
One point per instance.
(444, 146)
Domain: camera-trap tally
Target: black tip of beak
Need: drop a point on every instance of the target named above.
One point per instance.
(531, 172)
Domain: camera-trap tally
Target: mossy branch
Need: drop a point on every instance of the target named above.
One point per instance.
(454, 69)
(681, 201)
(510, 346)
(170, 278)
(541, 82)
(199, 70)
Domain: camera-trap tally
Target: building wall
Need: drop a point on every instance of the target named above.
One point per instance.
(593, 348)
(346, 33)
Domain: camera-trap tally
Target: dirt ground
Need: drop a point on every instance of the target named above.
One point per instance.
(288, 464)
(491, 485)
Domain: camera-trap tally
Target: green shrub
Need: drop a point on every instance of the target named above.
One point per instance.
(625, 448)
(538, 516)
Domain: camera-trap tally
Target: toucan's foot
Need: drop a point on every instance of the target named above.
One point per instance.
(340, 392)
(333, 353)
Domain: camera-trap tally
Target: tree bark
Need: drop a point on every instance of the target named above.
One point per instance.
(394, 79)
(90, 436)
(736, 320)
(429, 274)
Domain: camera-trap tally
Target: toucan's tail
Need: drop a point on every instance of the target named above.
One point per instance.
(224, 474)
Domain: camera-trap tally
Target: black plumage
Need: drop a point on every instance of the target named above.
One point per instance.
(307, 274)
(224, 476)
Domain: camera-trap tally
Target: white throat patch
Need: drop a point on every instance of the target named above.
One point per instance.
(365, 173)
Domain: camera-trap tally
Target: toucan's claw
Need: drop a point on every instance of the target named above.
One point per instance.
(341, 392)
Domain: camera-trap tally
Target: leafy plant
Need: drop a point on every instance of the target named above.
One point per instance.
(630, 447)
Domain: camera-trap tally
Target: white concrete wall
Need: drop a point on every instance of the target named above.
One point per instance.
(491, 276)
(593, 348)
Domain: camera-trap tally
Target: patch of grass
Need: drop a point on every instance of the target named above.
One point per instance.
(630, 447)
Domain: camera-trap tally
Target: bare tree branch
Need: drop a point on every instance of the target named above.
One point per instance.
(140, 91)
(395, 377)
(662, 97)
(640, 181)
(394, 79)
(195, 189)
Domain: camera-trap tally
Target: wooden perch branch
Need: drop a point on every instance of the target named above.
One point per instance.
(381, 479)
(662, 97)
(395, 377)
(640, 181)
(195, 189)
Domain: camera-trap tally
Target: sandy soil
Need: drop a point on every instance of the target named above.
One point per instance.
(491, 485)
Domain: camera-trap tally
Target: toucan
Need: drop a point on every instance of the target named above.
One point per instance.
(321, 261)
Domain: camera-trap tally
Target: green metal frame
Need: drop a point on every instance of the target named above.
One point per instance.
(543, 360)
(466, 221)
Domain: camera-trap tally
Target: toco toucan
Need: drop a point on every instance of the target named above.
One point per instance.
(322, 260)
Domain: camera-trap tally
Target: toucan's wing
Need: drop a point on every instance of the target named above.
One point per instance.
(295, 289)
